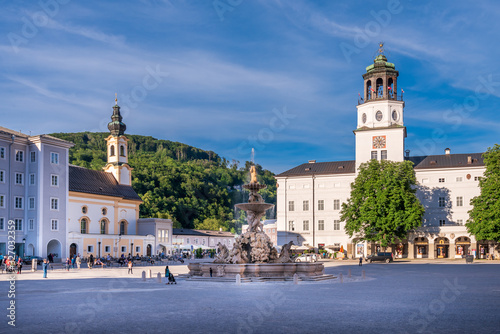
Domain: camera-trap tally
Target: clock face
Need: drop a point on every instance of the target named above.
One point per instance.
(363, 118)
(378, 116)
(395, 115)
(379, 142)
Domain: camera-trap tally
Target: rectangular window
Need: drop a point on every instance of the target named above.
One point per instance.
(291, 225)
(336, 204)
(460, 201)
(32, 156)
(459, 179)
(374, 155)
(54, 180)
(138, 249)
(442, 222)
(18, 224)
(291, 206)
(107, 249)
(2, 224)
(31, 224)
(19, 156)
(2, 201)
(383, 155)
(18, 200)
(124, 249)
(53, 225)
(196, 241)
(19, 178)
(2, 176)
(305, 205)
(90, 248)
(321, 204)
(305, 225)
(477, 178)
(31, 203)
(441, 180)
(336, 225)
(460, 222)
(187, 241)
(54, 158)
(32, 179)
(441, 202)
(425, 180)
(54, 204)
(321, 225)
(2, 152)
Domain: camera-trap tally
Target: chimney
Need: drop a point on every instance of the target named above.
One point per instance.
(407, 153)
(469, 160)
(312, 161)
(447, 151)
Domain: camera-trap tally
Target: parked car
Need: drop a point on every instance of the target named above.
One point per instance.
(307, 258)
(29, 258)
(381, 256)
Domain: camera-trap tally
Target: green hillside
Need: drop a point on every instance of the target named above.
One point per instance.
(193, 187)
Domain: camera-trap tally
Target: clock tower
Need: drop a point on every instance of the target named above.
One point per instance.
(380, 131)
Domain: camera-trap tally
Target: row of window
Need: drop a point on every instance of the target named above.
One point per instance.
(442, 201)
(18, 224)
(321, 205)
(321, 225)
(107, 249)
(457, 179)
(19, 202)
(383, 155)
(320, 185)
(103, 226)
(112, 150)
(104, 211)
(54, 157)
(19, 179)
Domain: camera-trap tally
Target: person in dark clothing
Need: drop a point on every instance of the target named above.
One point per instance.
(211, 271)
(360, 260)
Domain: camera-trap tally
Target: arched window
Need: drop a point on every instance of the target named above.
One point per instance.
(368, 89)
(122, 150)
(104, 226)
(112, 150)
(380, 88)
(123, 228)
(83, 226)
(390, 88)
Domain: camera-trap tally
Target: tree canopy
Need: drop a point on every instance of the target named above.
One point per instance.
(383, 206)
(484, 217)
(193, 187)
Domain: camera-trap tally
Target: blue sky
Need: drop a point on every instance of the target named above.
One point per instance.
(229, 75)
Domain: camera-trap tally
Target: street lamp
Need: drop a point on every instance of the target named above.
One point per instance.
(132, 249)
(24, 247)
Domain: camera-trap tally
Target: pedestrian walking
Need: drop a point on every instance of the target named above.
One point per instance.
(210, 271)
(360, 260)
(90, 263)
(78, 261)
(44, 267)
(19, 266)
(73, 261)
(130, 265)
(68, 263)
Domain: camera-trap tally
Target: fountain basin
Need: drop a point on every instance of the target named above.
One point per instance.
(256, 269)
(255, 207)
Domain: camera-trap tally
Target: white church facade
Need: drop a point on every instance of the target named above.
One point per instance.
(310, 196)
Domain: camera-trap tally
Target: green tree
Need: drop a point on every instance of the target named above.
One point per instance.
(383, 207)
(212, 224)
(484, 217)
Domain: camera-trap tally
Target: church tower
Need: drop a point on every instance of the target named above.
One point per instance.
(380, 132)
(117, 147)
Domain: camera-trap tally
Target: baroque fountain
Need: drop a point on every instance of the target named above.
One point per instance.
(253, 254)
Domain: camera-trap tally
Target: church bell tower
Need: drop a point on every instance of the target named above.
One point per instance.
(117, 149)
(380, 132)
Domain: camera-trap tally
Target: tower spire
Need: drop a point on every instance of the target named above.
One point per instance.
(116, 126)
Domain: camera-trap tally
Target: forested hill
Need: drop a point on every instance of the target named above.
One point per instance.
(193, 187)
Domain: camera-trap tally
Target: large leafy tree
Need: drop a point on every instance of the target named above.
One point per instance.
(484, 218)
(383, 207)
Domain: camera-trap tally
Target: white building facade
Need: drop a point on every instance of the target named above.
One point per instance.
(310, 196)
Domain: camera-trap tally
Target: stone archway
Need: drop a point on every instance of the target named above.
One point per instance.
(148, 250)
(73, 250)
(442, 246)
(54, 248)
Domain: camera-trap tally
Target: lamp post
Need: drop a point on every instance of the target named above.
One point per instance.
(24, 247)
(132, 249)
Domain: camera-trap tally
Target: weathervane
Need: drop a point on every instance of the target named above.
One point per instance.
(381, 48)
(116, 99)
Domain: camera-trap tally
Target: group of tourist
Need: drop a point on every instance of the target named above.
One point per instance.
(11, 265)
